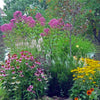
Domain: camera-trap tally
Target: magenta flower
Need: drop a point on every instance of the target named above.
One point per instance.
(13, 68)
(31, 86)
(17, 15)
(31, 58)
(33, 92)
(4, 75)
(20, 60)
(67, 26)
(29, 89)
(2, 71)
(17, 67)
(37, 62)
(13, 72)
(42, 23)
(3, 36)
(51, 21)
(26, 52)
(21, 72)
(42, 19)
(13, 20)
(6, 28)
(42, 34)
(36, 74)
(38, 15)
(27, 57)
(2, 66)
(26, 63)
(22, 75)
(24, 18)
(7, 68)
(56, 23)
(29, 53)
(39, 79)
(17, 60)
(14, 56)
(32, 23)
(61, 22)
(29, 18)
(43, 77)
(46, 30)
(32, 66)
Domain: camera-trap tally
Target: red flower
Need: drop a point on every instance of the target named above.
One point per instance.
(76, 98)
(89, 92)
(92, 89)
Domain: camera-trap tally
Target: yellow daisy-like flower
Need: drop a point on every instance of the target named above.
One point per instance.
(77, 46)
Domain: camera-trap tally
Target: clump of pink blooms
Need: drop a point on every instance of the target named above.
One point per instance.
(40, 18)
(56, 23)
(6, 27)
(18, 17)
(17, 65)
(67, 26)
(46, 32)
(53, 23)
(30, 89)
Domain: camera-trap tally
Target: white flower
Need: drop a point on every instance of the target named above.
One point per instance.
(13, 77)
(14, 89)
(9, 90)
(17, 82)
(12, 83)
(4, 87)
(4, 82)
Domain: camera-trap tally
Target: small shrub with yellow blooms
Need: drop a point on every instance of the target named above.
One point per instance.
(86, 80)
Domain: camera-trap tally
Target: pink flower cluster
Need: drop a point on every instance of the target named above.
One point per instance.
(30, 89)
(23, 65)
(40, 18)
(67, 26)
(29, 20)
(56, 23)
(17, 15)
(40, 74)
(6, 27)
(14, 58)
(46, 32)
(38, 15)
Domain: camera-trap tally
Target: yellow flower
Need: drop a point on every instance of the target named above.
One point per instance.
(77, 46)
(90, 78)
(83, 80)
(73, 75)
(94, 82)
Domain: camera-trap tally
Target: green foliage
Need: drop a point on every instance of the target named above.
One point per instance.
(57, 46)
(1, 42)
(61, 78)
(20, 5)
